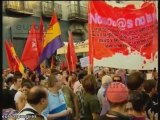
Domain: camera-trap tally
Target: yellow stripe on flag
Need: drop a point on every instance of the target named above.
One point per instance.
(51, 34)
(21, 68)
(13, 51)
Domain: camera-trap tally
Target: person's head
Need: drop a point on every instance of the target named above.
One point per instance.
(89, 84)
(38, 96)
(5, 86)
(9, 81)
(29, 74)
(117, 94)
(78, 68)
(155, 74)
(121, 73)
(135, 81)
(117, 78)
(74, 76)
(81, 75)
(137, 100)
(26, 86)
(65, 73)
(5, 72)
(107, 71)
(101, 73)
(17, 80)
(106, 80)
(150, 87)
(54, 81)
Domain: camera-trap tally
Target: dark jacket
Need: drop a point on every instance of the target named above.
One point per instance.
(116, 116)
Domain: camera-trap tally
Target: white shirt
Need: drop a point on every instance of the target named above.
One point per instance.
(77, 86)
(12, 87)
(100, 95)
(17, 96)
(23, 115)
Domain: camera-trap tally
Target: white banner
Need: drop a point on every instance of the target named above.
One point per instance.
(84, 61)
(115, 61)
(79, 47)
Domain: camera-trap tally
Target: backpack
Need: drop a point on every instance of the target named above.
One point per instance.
(81, 102)
(34, 116)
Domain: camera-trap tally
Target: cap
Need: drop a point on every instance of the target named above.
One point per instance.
(117, 92)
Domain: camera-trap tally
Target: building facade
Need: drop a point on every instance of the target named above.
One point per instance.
(18, 17)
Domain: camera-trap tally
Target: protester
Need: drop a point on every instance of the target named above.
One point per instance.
(155, 74)
(65, 74)
(101, 73)
(37, 101)
(151, 90)
(122, 74)
(16, 87)
(73, 81)
(9, 80)
(79, 93)
(26, 86)
(117, 94)
(7, 106)
(91, 103)
(71, 100)
(137, 100)
(106, 80)
(57, 108)
(17, 80)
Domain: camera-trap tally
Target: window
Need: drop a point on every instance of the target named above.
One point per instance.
(77, 37)
(47, 5)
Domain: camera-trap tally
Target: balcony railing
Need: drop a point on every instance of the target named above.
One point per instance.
(77, 12)
(58, 10)
(47, 11)
(19, 7)
(47, 8)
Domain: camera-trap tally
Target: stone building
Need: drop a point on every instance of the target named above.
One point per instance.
(72, 15)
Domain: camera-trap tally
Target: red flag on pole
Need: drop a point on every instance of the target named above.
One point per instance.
(30, 54)
(16, 63)
(10, 59)
(40, 37)
(71, 55)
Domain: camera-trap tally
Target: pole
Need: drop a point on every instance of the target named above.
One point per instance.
(67, 64)
(11, 37)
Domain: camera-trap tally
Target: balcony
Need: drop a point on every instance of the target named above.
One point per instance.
(47, 9)
(47, 12)
(77, 12)
(58, 10)
(19, 7)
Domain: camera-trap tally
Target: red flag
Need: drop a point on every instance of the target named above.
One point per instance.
(63, 65)
(40, 37)
(71, 55)
(15, 61)
(30, 54)
(10, 59)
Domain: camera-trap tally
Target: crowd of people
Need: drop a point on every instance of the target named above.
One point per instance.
(109, 94)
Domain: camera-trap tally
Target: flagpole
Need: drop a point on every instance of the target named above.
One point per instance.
(67, 64)
(66, 58)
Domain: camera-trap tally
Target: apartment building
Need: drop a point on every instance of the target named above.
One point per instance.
(18, 17)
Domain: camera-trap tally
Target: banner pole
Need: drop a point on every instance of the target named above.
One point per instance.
(67, 60)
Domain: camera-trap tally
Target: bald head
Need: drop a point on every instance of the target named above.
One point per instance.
(36, 94)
